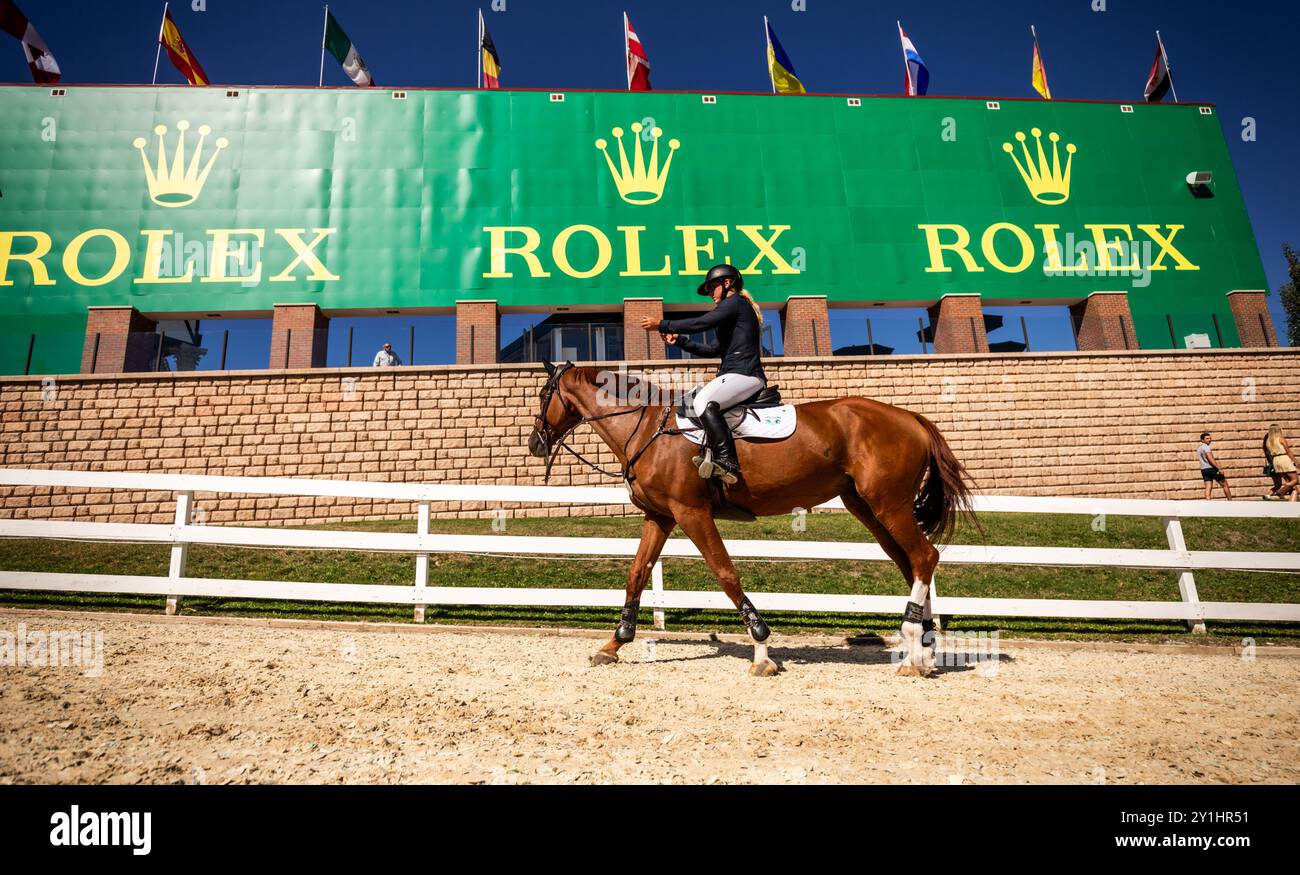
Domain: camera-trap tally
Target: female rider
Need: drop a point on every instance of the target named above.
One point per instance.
(736, 320)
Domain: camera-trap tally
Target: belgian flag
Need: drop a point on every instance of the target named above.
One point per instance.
(489, 59)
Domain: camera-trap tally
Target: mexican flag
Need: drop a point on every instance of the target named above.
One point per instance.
(346, 53)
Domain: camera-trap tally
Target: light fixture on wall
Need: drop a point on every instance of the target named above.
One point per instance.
(1199, 181)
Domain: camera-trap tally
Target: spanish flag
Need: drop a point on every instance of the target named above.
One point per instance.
(490, 60)
(779, 68)
(178, 52)
(1040, 72)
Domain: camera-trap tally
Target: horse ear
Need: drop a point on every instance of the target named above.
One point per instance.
(550, 369)
(568, 364)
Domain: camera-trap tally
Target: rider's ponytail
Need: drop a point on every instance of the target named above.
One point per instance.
(757, 311)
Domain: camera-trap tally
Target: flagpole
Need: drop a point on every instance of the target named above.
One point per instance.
(324, 29)
(1168, 66)
(767, 41)
(158, 52)
(478, 54)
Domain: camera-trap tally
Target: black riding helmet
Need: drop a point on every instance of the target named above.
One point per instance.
(721, 272)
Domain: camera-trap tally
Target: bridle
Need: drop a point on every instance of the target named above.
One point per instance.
(553, 440)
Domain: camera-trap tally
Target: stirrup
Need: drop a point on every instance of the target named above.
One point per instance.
(724, 475)
(704, 463)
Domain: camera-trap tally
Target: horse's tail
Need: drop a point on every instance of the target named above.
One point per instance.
(946, 493)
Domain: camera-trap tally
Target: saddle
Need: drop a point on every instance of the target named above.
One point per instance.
(768, 396)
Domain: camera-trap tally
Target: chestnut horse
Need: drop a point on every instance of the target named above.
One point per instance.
(890, 467)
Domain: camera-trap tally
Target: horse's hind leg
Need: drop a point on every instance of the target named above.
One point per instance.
(918, 620)
(703, 532)
(654, 532)
(857, 506)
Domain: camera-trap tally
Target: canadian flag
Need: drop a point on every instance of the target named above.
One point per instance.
(45, 69)
(638, 65)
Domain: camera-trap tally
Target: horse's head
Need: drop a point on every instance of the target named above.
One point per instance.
(555, 418)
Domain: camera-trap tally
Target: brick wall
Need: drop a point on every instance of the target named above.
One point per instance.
(806, 327)
(299, 336)
(639, 344)
(1117, 424)
(1103, 321)
(478, 324)
(958, 322)
(1254, 322)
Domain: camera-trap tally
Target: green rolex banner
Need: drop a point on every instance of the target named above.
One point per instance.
(345, 52)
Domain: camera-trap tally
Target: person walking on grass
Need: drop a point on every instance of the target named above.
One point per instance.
(1211, 473)
(1281, 465)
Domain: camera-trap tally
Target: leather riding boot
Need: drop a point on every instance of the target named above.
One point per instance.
(725, 466)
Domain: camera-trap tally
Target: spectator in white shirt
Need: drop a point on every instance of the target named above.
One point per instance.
(386, 358)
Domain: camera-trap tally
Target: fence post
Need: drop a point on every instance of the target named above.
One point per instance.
(1186, 581)
(421, 562)
(934, 605)
(184, 505)
(657, 585)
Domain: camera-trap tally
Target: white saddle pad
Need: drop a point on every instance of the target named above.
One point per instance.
(766, 422)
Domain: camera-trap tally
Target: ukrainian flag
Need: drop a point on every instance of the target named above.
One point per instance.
(779, 68)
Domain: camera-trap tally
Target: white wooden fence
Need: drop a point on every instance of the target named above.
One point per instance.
(183, 532)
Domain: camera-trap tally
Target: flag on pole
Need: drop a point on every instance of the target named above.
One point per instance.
(916, 78)
(1159, 79)
(779, 69)
(45, 70)
(346, 53)
(1040, 72)
(490, 60)
(178, 52)
(638, 65)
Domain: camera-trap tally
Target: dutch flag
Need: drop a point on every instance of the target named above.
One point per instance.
(917, 77)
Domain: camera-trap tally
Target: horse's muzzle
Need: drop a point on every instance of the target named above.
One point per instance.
(536, 446)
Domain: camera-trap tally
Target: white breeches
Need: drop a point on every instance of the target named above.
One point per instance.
(726, 390)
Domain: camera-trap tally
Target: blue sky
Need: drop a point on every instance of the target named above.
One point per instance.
(1238, 55)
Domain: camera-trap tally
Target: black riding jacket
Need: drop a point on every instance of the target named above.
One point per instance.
(737, 328)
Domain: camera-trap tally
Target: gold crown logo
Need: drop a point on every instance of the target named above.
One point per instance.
(177, 185)
(640, 183)
(1045, 180)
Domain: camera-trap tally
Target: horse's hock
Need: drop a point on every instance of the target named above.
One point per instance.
(1095, 424)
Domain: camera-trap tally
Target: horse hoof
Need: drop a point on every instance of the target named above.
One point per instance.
(765, 669)
(600, 657)
(907, 670)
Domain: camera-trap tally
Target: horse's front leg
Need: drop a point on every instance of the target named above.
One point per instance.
(703, 532)
(654, 533)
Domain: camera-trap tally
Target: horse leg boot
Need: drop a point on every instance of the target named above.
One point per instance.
(914, 661)
(654, 533)
(699, 526)
(762, 666)
(725, 466)
(624, 633)
(929, 628)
